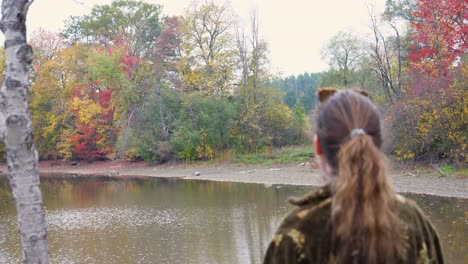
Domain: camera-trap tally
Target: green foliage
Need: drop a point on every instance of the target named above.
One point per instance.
(363, 78)
(301, 88)
(144, 136)
(204, 125)
(106, 68)
(281, 155)
(461, 173)
(130, 21)
(299, 119)
(184, 143)
(447, 168)
(400, 9)
(262, 122)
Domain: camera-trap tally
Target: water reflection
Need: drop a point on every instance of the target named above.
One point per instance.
(168, 221)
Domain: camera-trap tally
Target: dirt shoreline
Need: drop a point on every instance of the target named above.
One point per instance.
(281, 174)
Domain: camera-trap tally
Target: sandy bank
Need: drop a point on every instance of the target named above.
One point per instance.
(292, 174)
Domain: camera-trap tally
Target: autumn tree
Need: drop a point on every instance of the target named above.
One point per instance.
(51, 97)
(386, 56)
(429, 121)
(342, 53)
(262, 118)
(72, 103)
(208, 48)
(259, 56)
(168, 51)
(149, 107)
(252, 54)
(440, 35)
(94, 134)
(138, 62)
(167, 55)
(184, 91)
(94, 130)
(46, 45)
(16, 133)
(134, 22)
(114, 71)
(164, 99)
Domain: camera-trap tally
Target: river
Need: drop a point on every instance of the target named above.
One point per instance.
(148, 220)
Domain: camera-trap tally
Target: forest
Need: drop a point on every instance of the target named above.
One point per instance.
(128, 82)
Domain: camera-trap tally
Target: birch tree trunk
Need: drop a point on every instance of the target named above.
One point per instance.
(15, 131)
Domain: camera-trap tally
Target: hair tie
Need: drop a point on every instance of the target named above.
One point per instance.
(357, 131)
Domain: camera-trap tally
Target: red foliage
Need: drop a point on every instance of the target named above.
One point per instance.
(168, 41)
(85, 143)
(130, 62)
(440, 35)
(166, 52)
(86, 138)
(105, 101)
(420, 84)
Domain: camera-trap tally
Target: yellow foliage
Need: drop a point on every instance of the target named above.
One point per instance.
(278, 116)
(433, 125)
(87, 110)
(404, 154)
(204, 151)
(65, 147)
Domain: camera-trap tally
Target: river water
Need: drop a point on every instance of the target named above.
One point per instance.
(102, 220)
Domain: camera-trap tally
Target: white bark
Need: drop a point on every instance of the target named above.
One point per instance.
(15, 128)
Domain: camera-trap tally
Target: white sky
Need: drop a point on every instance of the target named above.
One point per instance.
(295, 29)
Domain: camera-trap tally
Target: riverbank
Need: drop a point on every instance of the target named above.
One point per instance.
(281, 174)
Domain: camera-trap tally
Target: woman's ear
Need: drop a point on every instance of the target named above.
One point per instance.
(322, 162)
(318, 148)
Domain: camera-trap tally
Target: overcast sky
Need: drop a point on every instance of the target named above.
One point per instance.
(295, 29)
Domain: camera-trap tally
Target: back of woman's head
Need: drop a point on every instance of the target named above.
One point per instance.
(366, 228)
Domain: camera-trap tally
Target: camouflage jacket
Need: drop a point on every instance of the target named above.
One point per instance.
(305, 234)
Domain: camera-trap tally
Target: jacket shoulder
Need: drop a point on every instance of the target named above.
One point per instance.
(304, 234)
(420, 235)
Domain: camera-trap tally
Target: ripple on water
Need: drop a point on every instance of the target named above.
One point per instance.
(7, 229)
(97, 219)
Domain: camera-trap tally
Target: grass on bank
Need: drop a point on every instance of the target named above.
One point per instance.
(294, 154)
(444, 170)
(449, 170)
(419, 168)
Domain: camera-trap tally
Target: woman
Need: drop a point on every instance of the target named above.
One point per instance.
(358, 217)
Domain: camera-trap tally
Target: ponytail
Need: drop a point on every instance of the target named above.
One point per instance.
(366, 228)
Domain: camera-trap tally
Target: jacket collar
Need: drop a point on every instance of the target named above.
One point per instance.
(321, 194)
